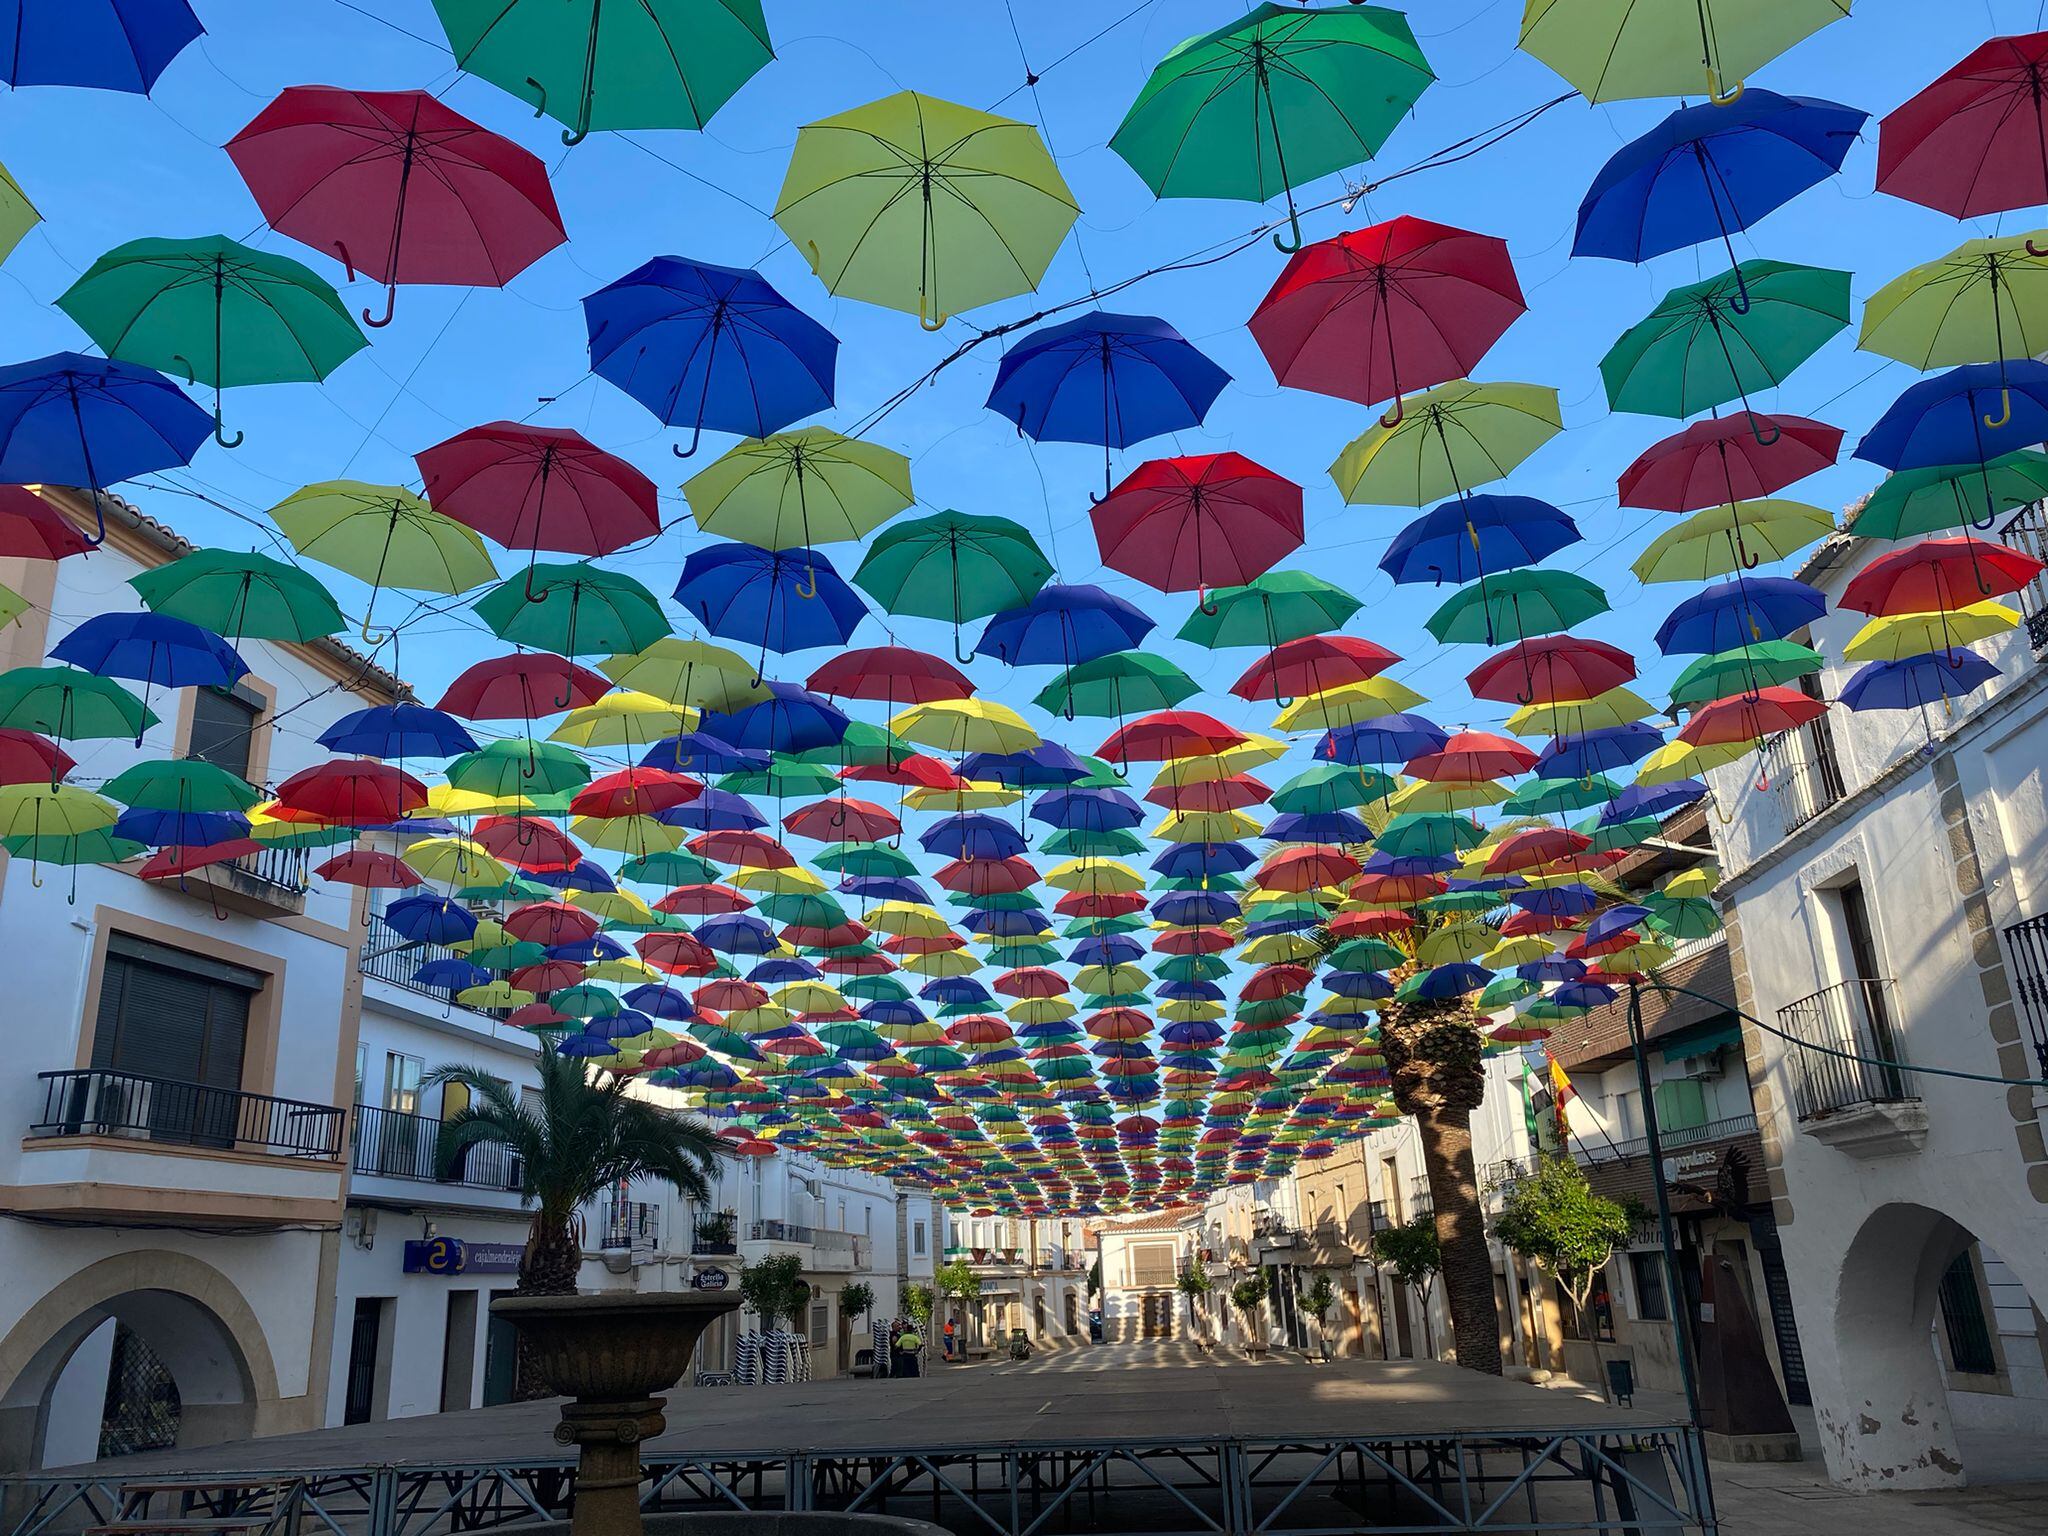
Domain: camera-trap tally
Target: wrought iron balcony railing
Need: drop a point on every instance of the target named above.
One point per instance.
(1857, 1018)
(99, 1102)
(389, 1143)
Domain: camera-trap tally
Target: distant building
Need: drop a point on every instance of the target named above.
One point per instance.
(1142, 1257)
(1033, 1273)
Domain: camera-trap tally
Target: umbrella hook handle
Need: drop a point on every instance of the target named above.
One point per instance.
(1394, 417)
(378, 322)
(1206, 605)
(374, 642)
(347, 262)
(1750, 559)
(1758, 432)
(2035, 250)
(810, 575)
(1290, 242)
(963, 660)
(1740, 304)
(696, 437)
(2004, 416)
(1714, 93)
(1526, 699)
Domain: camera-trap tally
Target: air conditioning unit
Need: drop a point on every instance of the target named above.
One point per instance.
(1704, 1068)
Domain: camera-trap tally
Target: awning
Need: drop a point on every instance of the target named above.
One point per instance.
(1702, 1039)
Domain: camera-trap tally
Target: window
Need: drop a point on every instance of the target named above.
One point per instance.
(917, 1239)
(1152, 1263)
(820, 1322)
(1681, 1104)
(1962, 1318)
(223, 726)
(362, 1069)
(184, 1018)
(402, 1075)
(1647, 1271)
(1390, 1187)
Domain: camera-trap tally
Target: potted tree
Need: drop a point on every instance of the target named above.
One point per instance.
(1248, 1296)
(1193, 1283)
(1555, 1218)
(1412, 1253)
(1318, 1299)
(856, 1299)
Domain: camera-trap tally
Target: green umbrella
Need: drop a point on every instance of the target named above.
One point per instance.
(1269, 610)
(215, 312)
(808, 909)
(1331, 787)
(864, 859)
(1551, 797)
(182, 784)
(645, 64)
(17, 214)
(1760, 664)
(1429, 834)
(575, 609)
(503, 769)
(1448, 440)
(679, 867)
(1516, 605)
(865, 745)
(953, 565)
(785, 779)
(241, 596)
(1614, 835)
(1366, 955)
(1917, 501)
(1618, 50)
(1079, 843)
(1272, 101)
(586, 1001)
(1504, 990)
(1116, 686)
(1682, 917)
(1711, 342)
(70, 705)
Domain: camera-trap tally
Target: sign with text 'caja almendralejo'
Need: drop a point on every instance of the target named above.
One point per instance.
(453, 1256)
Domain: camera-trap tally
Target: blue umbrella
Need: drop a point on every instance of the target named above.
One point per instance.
(397, 730)
(1711, 170)
(955, 989)
(1005, 923)
(1110, 949)
(1916, 680)
(68, 419)
(110, 45)
(758, 596)
(1616, 919)
(1202, 860)
(1382, 739)
(1583, 994)
(1062, 627)
(1573, 900)
(715, 810)
(701, 752)
(430, 920)
(179, 829)
(451, 973)
(1454, 980)
(1585, 753)
(1318, 827)
(1732, 614)
(1652, 800)
(660, 1001)
(790, 719)
(890, 1012)
(972, 835)
(153, 649)
(1954, 418)
(702, 346)
(1188, 909)
(884, 888)
(1103, 378)
(1381, 862)
(774, 973)
(1552, 968)
(1037, 767)
(585, 1044)
(738, 933)
(1188, 992)
(1475, 536)
(1368, 985)
(583, 875)
(1087, 810)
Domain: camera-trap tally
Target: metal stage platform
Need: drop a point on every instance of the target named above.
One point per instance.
(1097, 1441)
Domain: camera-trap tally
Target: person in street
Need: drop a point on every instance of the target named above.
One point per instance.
(946, 1339)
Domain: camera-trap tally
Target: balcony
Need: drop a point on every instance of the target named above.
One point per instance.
(634, 1225)
(138, 1150)
(1848, 1078)
(1671, 1138)
(716, 1236)
(391, 1144)
(822, 1248)
(270, 882)
(396, 961)
(2028, 531)
(1802, 772)
(2027, 943)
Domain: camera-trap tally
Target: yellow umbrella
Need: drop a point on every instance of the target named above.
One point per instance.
(965, 725)
(455, 861)
(1512, 952)
(634, 836)
(1919, 634)
(679, 672)
(970, 795)
(1456, 942)
(444, 799)
(1111, 979)
(1097, 876)
(1278, 948)
(794, 490)
(624, 718)
(12, 605)
(39, 809)
(1192, 1010)
(942, 962)
(494, 994)
(793, 880)
(1617, 706)
(1451, 795)
(809, 997)
(1733, 537)
(909, 919)
(1695, 882)
(17, 214)
(626, 968)
(612, 906)
(383, 535)
(1337, 707)
(1040, 1010)
(1447, 441)
(1205, 827)
(1677, 760)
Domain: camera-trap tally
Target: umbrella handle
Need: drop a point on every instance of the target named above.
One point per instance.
(1750, 558)
(696, 437)
(542, 109)
(1756, 432)
(1739, 305)
(378, 322)
(2004, 416)
(1393, 418)
(347, 262)
(811, 574)
(963, 660)
(1714, 89)
(1290, 242)
(220, 432)
(1204, 604)
(2035, 250)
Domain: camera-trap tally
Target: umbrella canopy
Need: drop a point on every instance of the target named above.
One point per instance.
(1191, 523)
(953, 565)
(1103, 378)
(1377, 311)
(1969, 415)
(215, 311)
(1516, 605)
(1617, 53)
(1118, 685)
(576, 609)
(1987, 300)
(240, 595)
(1063, 626)
(1550, 670)
(1937, 575)
(1727, 458)
(1269, 609)
(1731, 614)
(70, 705)
(522, 687)
(1273, 100)
(1917, 681)
(922, 205)
(703, 346)
(1939, 496)
(1474, 536)
(669, 64)
(110, 45)
(384, 535)
(1975, 141)
(798, 489)
(17, 214)
(1758, 664)
(68, 419)
(400, 187)
(1736, 537)
(780, 599)
(893, 674)
(1446, 441)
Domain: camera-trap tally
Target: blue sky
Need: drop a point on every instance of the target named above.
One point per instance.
(105, 168)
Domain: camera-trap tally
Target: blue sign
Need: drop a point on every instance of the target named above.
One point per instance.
(453, 1256)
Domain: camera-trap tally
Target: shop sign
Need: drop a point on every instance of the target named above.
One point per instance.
(711, 1280)
(453, 1256)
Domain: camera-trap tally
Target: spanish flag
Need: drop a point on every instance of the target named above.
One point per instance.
(1561, 1094)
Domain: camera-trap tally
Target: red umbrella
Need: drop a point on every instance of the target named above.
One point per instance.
(634, 792)
(398, 186)
(1313, 664)
(857, 965)
(1375, 312)
(32, 529)
(1189, 524)
(537, 488)
(369, 869)
(676, 953)
(838, 936)
(349, 792)
(891, 674)
(536, 1016)
(1401, 888)
(730, 995)
(1976, 140)
(1938, 576)
(842, 819)
(1031, 981)
(547, 976)
(167, 863)
(1100, 904)
(1272, 981)
(1726, 459)
(702, 901)
(918, 771)
(977, 1029)
(1168, 734)
(1536, 848)
(1551, 669)
(1473, 757)
(988, 877)
(922, 944)
(1193, 941)
(512, 687)
(754, 850)
(1306, 868)
(1231, 794)
(26, 757)
(1746, 716)
(527, 842)
(551, 923)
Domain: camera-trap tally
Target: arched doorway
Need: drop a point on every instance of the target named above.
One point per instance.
(182, 1359)
(1938, 1350)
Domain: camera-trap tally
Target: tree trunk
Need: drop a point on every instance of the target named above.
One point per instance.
(1461, 1235)
(549, 1267)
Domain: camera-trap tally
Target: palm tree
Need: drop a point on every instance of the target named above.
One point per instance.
(583, 1134)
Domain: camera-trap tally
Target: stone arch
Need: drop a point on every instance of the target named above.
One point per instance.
(193, 1316)
(1891, 1425)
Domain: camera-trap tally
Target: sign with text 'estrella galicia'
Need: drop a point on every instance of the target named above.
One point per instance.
(710, 1280)
(453, 1256)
